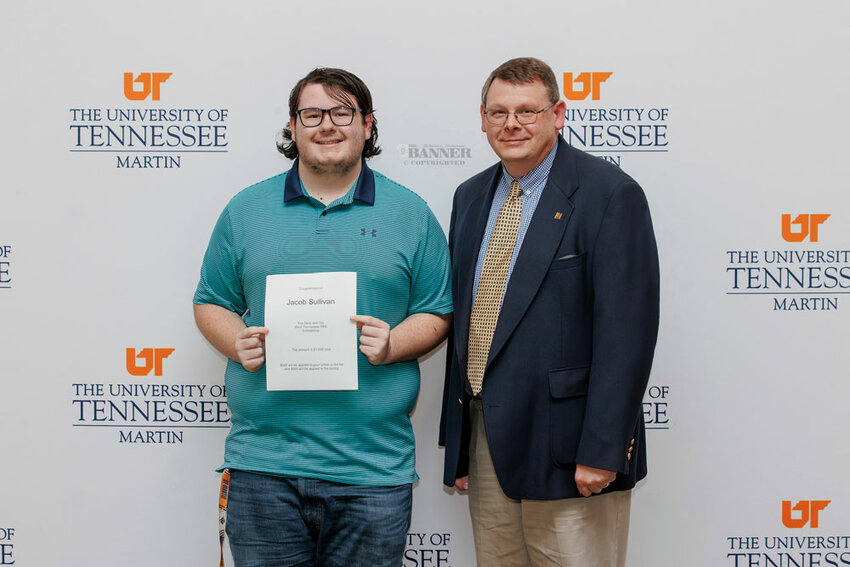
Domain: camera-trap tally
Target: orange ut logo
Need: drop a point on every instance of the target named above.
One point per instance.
(808, 227)
(590, 85)
(150, 85)
(808, 510)
(153, 358)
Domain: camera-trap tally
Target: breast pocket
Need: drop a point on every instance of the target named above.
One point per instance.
(568, 261)
(568, 398)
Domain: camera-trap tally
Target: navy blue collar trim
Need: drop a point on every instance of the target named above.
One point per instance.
(364, 189)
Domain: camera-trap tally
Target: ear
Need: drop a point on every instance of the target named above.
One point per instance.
(560, 114)
(367, 124)
(483, 119)
(292, 121)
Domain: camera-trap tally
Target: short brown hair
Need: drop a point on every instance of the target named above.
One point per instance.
(524, 70)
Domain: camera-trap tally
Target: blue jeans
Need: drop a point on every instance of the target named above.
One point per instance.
(274, 521)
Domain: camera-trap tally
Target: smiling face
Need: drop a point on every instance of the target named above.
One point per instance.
(328, 149)
(522, 147)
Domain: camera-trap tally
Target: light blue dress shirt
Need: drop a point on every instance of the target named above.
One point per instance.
(532, 184)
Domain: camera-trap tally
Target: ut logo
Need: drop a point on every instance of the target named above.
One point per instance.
(150, 85)
(153, 358)
(590, 85)
(808, 227)
(808, 510)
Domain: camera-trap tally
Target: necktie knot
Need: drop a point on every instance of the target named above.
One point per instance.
(515, 190)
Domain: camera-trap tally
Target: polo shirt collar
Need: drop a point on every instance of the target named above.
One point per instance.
(364, 189)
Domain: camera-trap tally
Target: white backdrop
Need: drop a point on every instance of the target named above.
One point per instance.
(748, 392)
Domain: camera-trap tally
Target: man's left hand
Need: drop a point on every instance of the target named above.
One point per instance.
(593, 481)
(374, 338)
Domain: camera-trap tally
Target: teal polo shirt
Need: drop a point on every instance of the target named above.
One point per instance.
(389, 236)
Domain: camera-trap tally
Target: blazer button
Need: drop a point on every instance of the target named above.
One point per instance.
(632, 442)
(629, 457)
(460, 401)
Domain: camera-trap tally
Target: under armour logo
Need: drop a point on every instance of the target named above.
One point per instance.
(364, 232)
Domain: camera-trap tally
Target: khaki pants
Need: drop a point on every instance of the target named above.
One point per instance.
(571, 532)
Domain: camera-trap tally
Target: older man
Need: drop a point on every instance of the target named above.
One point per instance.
(555, 281)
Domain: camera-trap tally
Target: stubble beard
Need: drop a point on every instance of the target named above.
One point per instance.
(337, 168)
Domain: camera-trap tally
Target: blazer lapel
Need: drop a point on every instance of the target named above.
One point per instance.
(469, 231)
(538, 247)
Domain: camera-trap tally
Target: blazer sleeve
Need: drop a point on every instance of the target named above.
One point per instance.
(450, 339)
(454, 425)
(625, 287)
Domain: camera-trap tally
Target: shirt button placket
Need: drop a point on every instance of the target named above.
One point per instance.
(322, 220)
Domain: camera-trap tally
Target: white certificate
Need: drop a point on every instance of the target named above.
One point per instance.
(312, 344)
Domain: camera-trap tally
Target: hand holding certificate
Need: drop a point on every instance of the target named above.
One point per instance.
(312, 344)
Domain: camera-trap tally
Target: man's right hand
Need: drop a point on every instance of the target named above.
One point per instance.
(251, 347)
(462, 483)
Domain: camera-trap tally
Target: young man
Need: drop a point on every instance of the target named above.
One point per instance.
(555, 281)
(324, 477)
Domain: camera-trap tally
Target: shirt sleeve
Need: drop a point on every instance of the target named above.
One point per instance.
(430, 290)
(221, 280)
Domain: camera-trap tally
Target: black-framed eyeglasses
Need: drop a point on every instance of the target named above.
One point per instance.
(499, 117)
(340, 115)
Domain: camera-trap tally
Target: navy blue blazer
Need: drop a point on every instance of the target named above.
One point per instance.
(573, 346)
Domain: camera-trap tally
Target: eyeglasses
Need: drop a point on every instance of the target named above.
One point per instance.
(499, 117)
(340, 115)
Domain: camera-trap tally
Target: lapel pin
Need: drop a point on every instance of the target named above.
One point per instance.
(558, 215)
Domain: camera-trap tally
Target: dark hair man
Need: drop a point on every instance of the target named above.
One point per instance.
(555, 280)
(324, 477)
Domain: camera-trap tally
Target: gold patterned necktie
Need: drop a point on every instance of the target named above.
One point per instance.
(491, 286)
